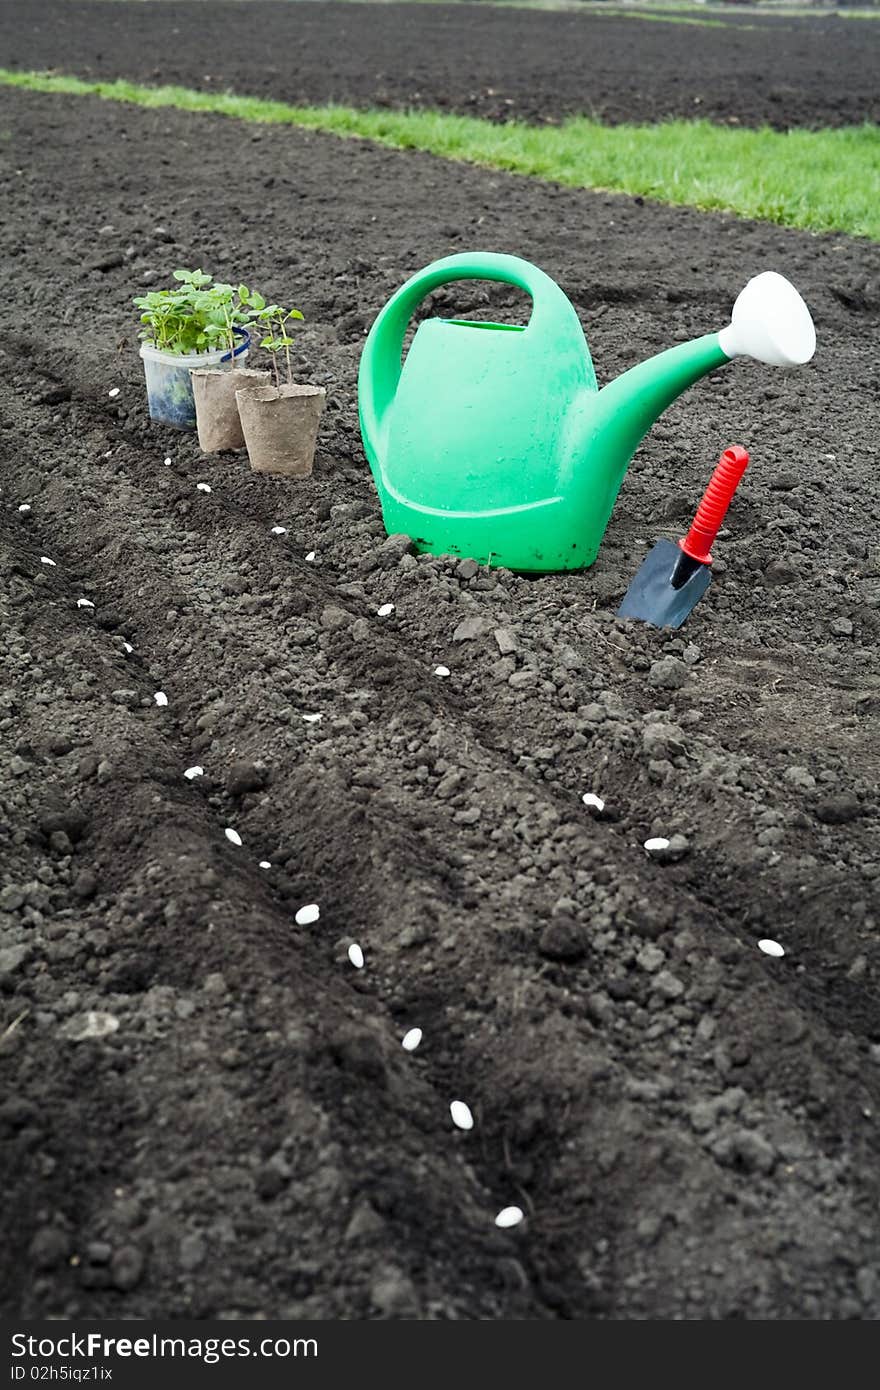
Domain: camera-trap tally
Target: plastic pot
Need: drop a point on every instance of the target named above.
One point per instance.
(280, 426)
(217, 418)
(169, 387)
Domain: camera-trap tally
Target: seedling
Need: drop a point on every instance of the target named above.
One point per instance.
(273, 322)
(229, 313)
(195, 316)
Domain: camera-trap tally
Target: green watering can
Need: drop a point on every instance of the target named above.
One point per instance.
(493, 441)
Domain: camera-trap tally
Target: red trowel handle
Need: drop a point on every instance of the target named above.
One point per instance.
(713, 508)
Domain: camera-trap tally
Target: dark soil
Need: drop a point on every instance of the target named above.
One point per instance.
(690, 1125)
(480, 60)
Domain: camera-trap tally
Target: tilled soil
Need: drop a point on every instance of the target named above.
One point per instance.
(477, 59)
(206, 1109)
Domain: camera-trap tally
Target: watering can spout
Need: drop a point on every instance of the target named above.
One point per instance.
(629, 405)
(770, 322)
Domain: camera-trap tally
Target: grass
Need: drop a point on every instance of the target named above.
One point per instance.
(822, 181)
(672, 14)
(667, 10)
(659, 17)
(636, 9)
(663, 11)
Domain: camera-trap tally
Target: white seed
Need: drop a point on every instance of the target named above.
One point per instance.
(591, 799)
(461, 1115)
(128, 647)
(771, 948)
(411, 1039)
(44, 560)
(203, 487)
(232, 835)
(356, 956)
(386, 610)
(193, 772)
(509, 1216)
(442, 671)
(167, 463)
(92, 1024)
(84, 603)
(307, 915)
(264, 864)
(311, 555)
(114, 393)
(312, 718)
(279, 530)
(25, 507)
(657, 845)
(161, 698)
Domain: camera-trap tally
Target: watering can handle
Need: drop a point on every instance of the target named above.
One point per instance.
(380, 368)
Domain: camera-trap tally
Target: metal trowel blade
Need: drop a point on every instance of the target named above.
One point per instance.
(651, 597)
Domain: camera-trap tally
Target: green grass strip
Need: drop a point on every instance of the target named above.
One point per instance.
(672, 17)
(661, 15)
(663, 11)
(822, 181)
(647, 9)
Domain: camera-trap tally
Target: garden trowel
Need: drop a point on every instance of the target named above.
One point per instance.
(675, 574)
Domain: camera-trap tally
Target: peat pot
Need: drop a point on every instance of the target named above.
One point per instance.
(280, 427)
(217, 419)
(169, 387)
